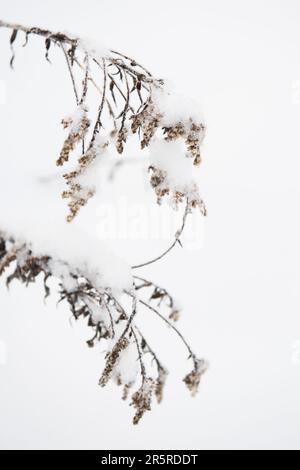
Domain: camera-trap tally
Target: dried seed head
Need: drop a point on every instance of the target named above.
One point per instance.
(160, 384)
(148, 121)
(77, 132)
(174, 132)
(175, 315)
(121, 139)
(192, 380)
(126, 390)
(193, 135)
(112, 360)
(79, 195)
(159, 182)
(8, 257)
(141, 399)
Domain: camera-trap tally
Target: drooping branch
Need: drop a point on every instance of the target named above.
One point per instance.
(137, 107)
(160, 295)
(104, 314)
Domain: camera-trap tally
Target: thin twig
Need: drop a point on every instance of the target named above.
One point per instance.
(142, 302)
(111, 319)
(177, 240)
(85, 81)
(98, 121)
(155, 358)
(71, 73)
(142, 365)
(132, 61)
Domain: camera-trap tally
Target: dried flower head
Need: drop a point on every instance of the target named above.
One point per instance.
(192, 133)
(121, 139)
(141, 399)
(112, 359)
(126, 391)
(175, 315)
(78, 194)
(79, 124)
(146, 121)
(160, 384)
(193, 379)
(128, 101)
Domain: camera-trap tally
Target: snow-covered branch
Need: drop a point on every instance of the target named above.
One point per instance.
(131, 101)
(105, 315)
(97, 286)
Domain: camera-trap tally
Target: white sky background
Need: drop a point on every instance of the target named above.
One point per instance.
(240, 291)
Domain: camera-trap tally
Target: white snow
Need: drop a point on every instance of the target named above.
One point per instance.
(90, 178)
(74, 119)
(171, 158)
(61, 270)
(35, 213)
(99, 312)
(176, 107)
(93, 48)
(128, 365)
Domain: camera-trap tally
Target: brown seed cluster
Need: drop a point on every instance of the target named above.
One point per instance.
(158, 181)
(78, 198)
(112, 359)
(175, 315)
(160, 384)
(7, 257)
(27, 268)
(143, 114)
(160, 184)
(193, 135)
(121, 139)
(193, 141)
(126, 391)
(77, 194)
(76, 134)
(141, 399)
(147, 121)
(193, 379)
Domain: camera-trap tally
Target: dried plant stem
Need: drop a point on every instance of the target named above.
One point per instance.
(56, 37)
(177, 240)
(98, 123)
(155, 358)
(70, 73)
(131, 102)
(111, 319)
(192, 355)
(142, 365)
(147, 283)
